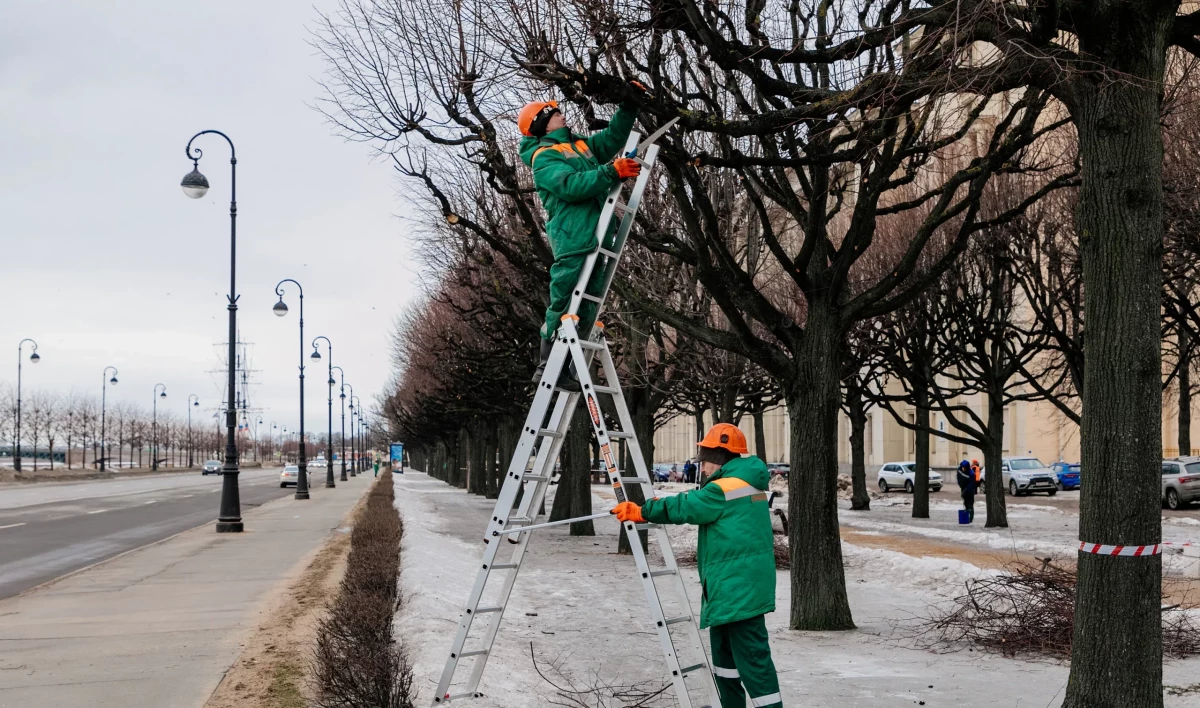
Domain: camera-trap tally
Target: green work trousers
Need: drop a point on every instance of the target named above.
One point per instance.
(564, 275)
(741, 657)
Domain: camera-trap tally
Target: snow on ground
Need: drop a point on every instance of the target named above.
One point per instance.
(581, 608)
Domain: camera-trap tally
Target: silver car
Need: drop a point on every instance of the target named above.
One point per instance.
(289, 476)
(211, 467)
(1180, 482)
(894, 475)
(1027, 475)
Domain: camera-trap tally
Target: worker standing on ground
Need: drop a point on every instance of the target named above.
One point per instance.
(735, 555)
(573, 175)
(968, 486)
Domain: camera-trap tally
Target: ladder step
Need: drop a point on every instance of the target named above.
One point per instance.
(681, 618)
(477, 652)
(606, 252)
(485, 610)
(595, 346)
(619, 435)
(687, 670)
(610, 390)
(643, 527)
(636, 480)
(520, 520)
(593, 298)
(455, 696)
(548, 433)
(620, 205)
(535, 478)
(656, 574)
(504, 566)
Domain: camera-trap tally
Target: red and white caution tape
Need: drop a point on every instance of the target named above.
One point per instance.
(1107, 550)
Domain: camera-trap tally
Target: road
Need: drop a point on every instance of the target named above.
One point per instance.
(52, 529)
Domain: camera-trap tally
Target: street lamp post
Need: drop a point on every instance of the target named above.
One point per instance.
(191, 404)
(154, 426)
(195, 185)
(103, 407)
(342, 397)
(353, 452)
(329, 436)
(274, 428)
(281, 309)
(33, 359)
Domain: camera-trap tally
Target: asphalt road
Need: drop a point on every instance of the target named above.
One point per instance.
(52, 529)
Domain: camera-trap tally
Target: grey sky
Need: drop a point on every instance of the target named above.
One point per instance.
(107, 262)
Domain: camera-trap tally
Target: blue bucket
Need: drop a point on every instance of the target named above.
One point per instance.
(964, 516)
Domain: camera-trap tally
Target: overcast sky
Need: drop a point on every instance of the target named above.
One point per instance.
(105, 261)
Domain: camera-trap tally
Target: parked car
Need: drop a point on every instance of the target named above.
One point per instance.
(1066, 475)
(319, 462)
(894, 475)
(1180, 482)
(662, 472)
(1027, 475)
(211, 467)
(289, 476)
(779, 469)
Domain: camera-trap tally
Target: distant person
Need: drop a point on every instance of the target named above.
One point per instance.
(736, 561)
(376, 468)
(967, 485)
(978, 472)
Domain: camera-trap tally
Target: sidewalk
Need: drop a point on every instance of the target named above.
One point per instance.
(160, 626)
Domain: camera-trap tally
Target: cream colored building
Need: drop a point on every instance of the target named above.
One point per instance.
(1038, 429)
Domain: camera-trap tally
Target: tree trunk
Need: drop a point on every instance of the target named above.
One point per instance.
(638, 400)
(920, 506)
(1185, 392)
(477, 456)
(860, 499)
(993, 451)
(760, 435)
(699, 416)
(574, 496)
(1120, 220)
(818, 580)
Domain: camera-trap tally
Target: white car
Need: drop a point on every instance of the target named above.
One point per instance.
(1027, 475)
(289, 475)
(894, 475)
(319, 462)
(212, 467)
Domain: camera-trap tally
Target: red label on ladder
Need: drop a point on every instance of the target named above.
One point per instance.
(594, 410)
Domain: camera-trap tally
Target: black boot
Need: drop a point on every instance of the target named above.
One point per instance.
(543, 358)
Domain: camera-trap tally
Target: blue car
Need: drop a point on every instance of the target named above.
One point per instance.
(1067, 474)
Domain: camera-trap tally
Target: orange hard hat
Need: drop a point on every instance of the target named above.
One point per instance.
(726, 436)
(530, 113)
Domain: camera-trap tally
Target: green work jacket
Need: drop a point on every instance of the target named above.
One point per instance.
(572, 175)
(735, 552)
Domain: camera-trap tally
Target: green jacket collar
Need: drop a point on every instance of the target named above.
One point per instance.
(748, 469)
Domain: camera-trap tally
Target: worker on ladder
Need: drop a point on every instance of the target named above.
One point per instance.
(573, 175)
(735, 555)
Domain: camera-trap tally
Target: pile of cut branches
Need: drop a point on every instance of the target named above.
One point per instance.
(783, 560)
(1030, 609)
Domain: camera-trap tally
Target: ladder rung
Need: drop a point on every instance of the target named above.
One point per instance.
(681, 618)
(535, 478)
(656, 574)
(638, 480)
(687, 670)
(485, 610)
(477, 652)
(606, 252)
(520, 520)
(593, 298)
(504, 566)
(643, 527)
(548, 433)
(456, 696)
(620, 435)
(618, 204)
(584, 344)
(610, 390)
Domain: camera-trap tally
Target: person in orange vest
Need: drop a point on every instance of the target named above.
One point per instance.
(735, 556)
(975, 469)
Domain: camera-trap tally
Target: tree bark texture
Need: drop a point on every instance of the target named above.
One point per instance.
(1116, 656)
(760, 435)
(920, 505)
(993, 451)
(574, 494)
(1185, 392)
(819, 599)
(638, 400)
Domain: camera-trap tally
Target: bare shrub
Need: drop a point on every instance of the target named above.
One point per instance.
(356, 662)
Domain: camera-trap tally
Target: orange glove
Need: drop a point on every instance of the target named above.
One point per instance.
(628, 511)
(639, 86)
(627, 167)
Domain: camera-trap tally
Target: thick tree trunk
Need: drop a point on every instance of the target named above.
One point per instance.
(699, 416)
(574, 495)
(993, 451)
(860, 499)
(819, 599)
(1185, 393)
(643, 427)
(920, 506)
(477, 479)
(1116, 657)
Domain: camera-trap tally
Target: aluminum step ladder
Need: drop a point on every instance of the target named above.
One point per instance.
(541, 439)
